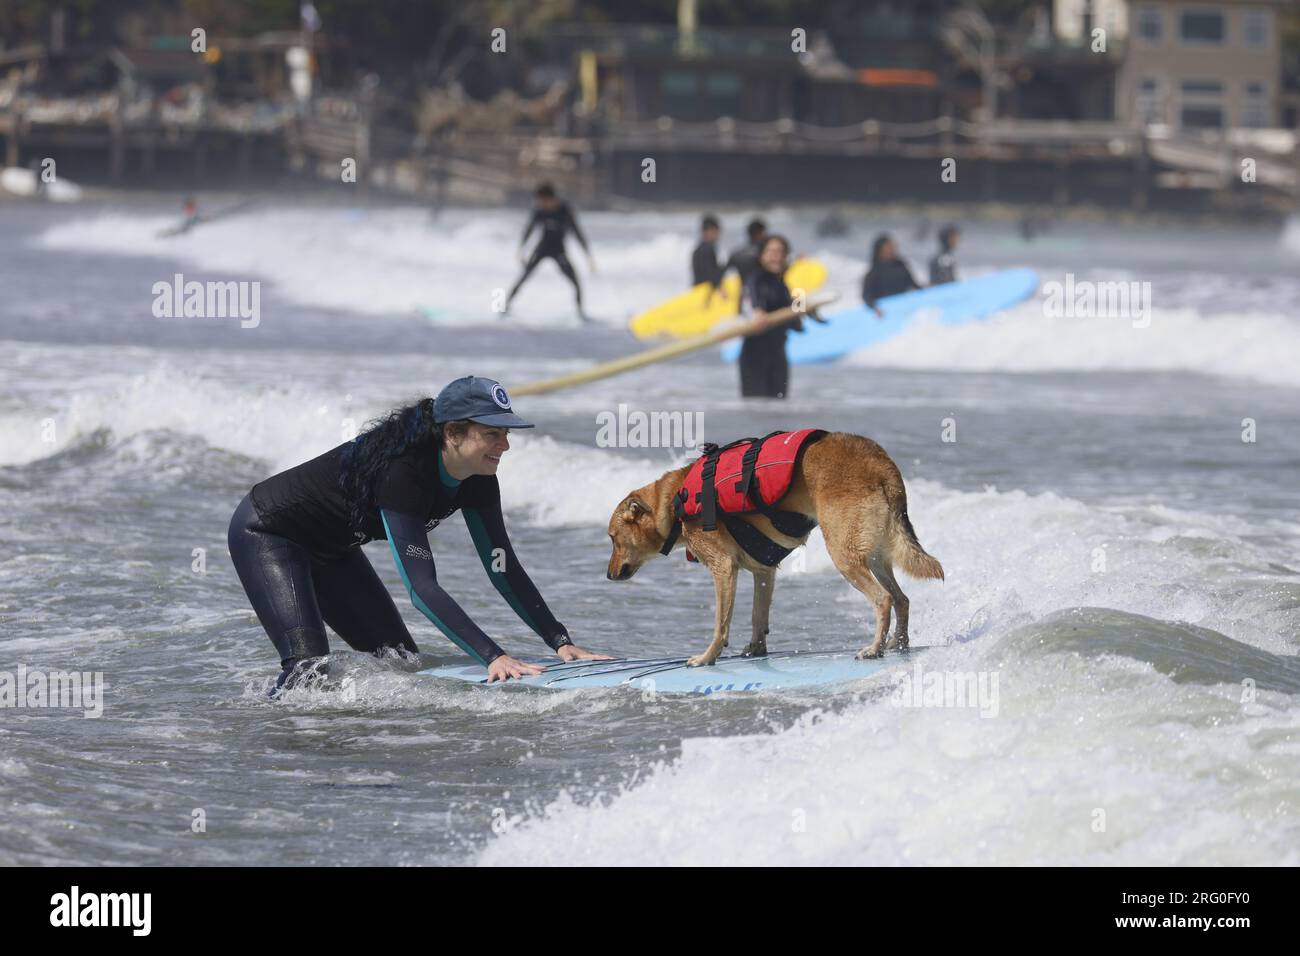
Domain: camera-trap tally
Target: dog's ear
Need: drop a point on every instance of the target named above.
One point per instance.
(635, 509)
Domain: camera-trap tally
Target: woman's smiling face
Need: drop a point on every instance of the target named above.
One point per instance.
(773, 256)
(475, 451)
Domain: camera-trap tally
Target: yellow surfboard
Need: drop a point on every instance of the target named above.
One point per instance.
(694, 312)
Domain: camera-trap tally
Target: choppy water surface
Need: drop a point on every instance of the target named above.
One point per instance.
(1117, 557)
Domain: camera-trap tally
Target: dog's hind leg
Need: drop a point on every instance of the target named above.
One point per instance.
(725, 573)
(764, 586)
(852, 563)
(884, 574)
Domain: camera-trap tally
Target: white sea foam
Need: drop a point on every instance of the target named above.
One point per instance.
(1025, 339)
(1089, 762)
(1092, 759)
(399, 261)
(390, 262)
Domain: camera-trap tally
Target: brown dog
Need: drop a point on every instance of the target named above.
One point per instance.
(846, 483)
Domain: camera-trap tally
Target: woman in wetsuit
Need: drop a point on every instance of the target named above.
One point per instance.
(888, 274)
(764, 366)
(296, 537)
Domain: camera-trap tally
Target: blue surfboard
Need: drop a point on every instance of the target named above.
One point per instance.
(670, 675)
(954, 303)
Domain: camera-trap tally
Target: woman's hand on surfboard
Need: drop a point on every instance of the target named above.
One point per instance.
(572, 652)
(506, 667)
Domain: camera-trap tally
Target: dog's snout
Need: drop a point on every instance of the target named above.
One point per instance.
(624, 572)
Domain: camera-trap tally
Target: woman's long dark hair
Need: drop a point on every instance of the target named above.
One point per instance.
(877, 246)
(364, 460)
(775, 237)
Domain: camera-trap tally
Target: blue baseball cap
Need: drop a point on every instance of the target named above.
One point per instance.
(479, 400)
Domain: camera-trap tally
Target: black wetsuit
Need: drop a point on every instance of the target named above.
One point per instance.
(886, 279)
(943, 268)
(764, 367)
(744, 259)
(302, 566)
(704, 264)
(555, 225)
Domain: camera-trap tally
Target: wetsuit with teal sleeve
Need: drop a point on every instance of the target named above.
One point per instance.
(301, 564)
(409, 543)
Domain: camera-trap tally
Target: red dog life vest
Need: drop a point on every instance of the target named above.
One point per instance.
(748, 476)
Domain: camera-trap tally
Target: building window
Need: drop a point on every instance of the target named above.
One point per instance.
(699, 96)
(1202, 117)
(1257, 26)
(680, 95)
(1202, 104)
(723, 84)
(1150, 25)
(1201, 88)
(1148, 102)
(723, 92)
(1255, 111)
(1202, 27)
(680, 84)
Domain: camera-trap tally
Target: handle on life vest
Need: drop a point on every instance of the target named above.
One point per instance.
(737, 328)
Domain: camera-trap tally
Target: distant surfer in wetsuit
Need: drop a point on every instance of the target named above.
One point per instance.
(555, 218)
(704, 260)
(744, 259)
(296, 537)
(943, 267)
(888, 274)
(764, 366)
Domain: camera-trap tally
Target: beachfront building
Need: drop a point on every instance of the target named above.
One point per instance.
(1189, 65)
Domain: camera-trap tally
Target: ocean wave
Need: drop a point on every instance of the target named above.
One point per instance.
(1088, 760)
(1024, 339)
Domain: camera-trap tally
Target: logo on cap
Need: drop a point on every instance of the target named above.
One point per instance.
(500, 397)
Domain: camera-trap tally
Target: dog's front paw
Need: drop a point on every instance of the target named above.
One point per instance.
(699, 660)
(870, 652)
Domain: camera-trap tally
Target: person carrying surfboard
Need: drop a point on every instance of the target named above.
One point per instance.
(744, 259)
(296, 537)
(888, 274)
(704, 260)
(764, 366)
(943, 267)
(555, 219)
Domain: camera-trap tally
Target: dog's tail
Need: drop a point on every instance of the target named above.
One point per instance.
(905, 551)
